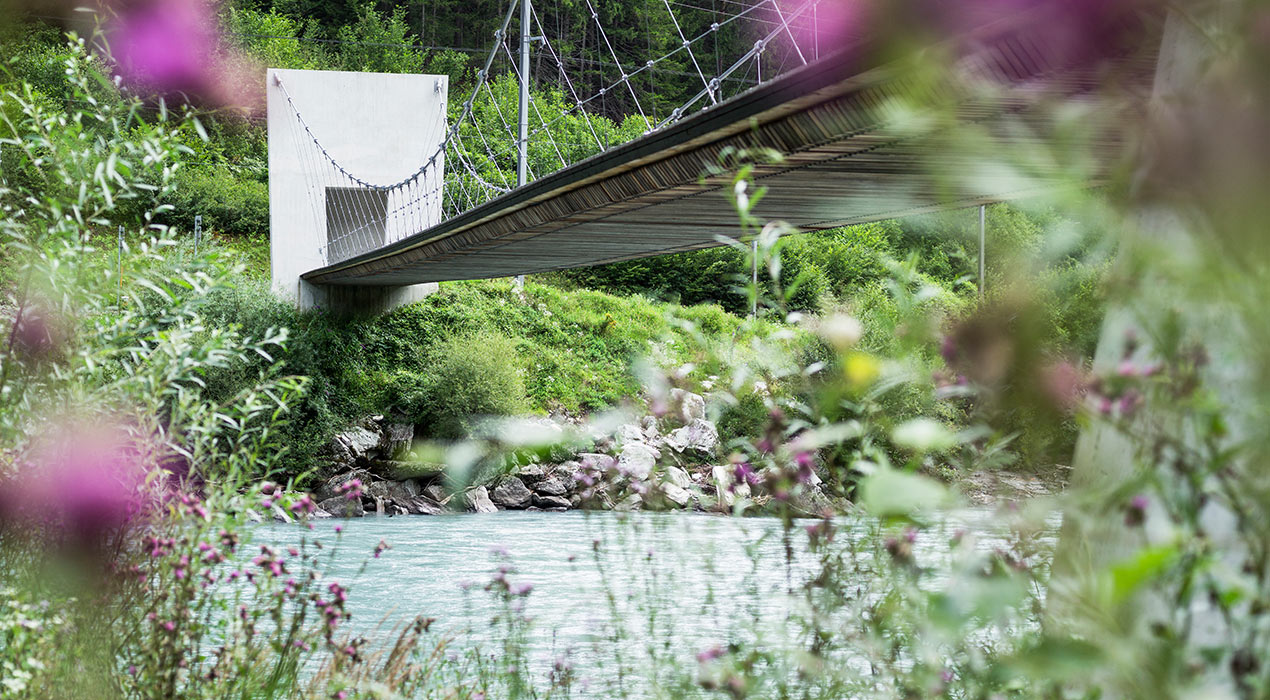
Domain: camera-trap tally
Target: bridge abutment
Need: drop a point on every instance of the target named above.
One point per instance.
(337, 140)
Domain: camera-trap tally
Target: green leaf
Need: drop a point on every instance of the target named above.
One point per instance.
(888, 492)
(1148, 565)
(923, 435)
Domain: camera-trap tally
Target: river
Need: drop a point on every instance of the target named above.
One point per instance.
(675, 583)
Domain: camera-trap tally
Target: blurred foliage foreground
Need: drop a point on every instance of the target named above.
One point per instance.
(127, 570)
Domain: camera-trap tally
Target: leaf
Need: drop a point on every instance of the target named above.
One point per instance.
(888, 492)
(1148, 565)
(923, 435)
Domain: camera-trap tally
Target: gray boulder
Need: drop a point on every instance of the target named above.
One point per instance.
(341, 507)
(395, 439)
(359, 441)
(637, 460)
(437, 492)
(422, 505)
(678, 477)
(688, 406)
(531, 474)
(402, 470)
(478, 501)
(552, 486)
(628, 433)
(327, 489)
(510, 492)
(697, 439)
(676, 494)
(551, 502)
(334, 457)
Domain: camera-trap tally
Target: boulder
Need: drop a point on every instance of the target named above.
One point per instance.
(597, 460)
(697, 439)
(552, 486)
(678, 477)
(327, 489)
(648, 425)
(334, 457)
(726, 487)
(422, 505)
(397, 493)
(688, 406)
(341, 507)
(510, 492)
(531, 474)
(359, 441)
(550, 502)
(402, 470)
(478, 500)
(395, 439)
(676, 494)
(628, 433)
(637, 460)
(437, 492)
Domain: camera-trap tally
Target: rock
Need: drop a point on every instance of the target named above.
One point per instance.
(359, 441)
(399, 470)
(726, 487)
(551, 486)
(334, 457)
(637, 460)
(549, 502)
(698, 439)
(575, 501)
(510, 492)
(630, 503)
(422, 505)
(688, 406)
(678, 477)
(395, 493)
(648, 425)
(327, 489)
(437, 492)
(531, 474)
(478, 500)
(628, 433)
(677, 494)
(341, 507)
(395, 439)
(596, 460)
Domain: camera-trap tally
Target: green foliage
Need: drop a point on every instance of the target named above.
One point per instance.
(469, 378)
(237, 207)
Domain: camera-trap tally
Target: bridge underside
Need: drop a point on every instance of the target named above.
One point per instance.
(853, 148)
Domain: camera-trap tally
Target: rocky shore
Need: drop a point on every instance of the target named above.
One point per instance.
(666, 462)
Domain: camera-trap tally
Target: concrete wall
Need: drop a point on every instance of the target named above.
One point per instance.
(380, 127)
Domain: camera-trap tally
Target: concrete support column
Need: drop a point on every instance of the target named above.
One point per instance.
(380, 128)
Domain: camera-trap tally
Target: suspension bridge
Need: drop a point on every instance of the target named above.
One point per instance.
(835, 137)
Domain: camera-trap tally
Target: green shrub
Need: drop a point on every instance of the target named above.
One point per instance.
(228, 204)
(469, 377)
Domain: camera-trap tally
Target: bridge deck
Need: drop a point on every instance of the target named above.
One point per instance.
(848, 158)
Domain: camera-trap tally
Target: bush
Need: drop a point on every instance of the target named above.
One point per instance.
(227, 204)
(468, 377)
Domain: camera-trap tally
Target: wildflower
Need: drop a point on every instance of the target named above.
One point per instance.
(304, 504)
(710, 654)
(522, 589)
(1136, 511)
(351, 489)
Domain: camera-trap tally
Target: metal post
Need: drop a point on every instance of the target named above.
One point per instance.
(754, 280)
(198, 231)
(982, 210)
(522, 144)
(119, 269)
